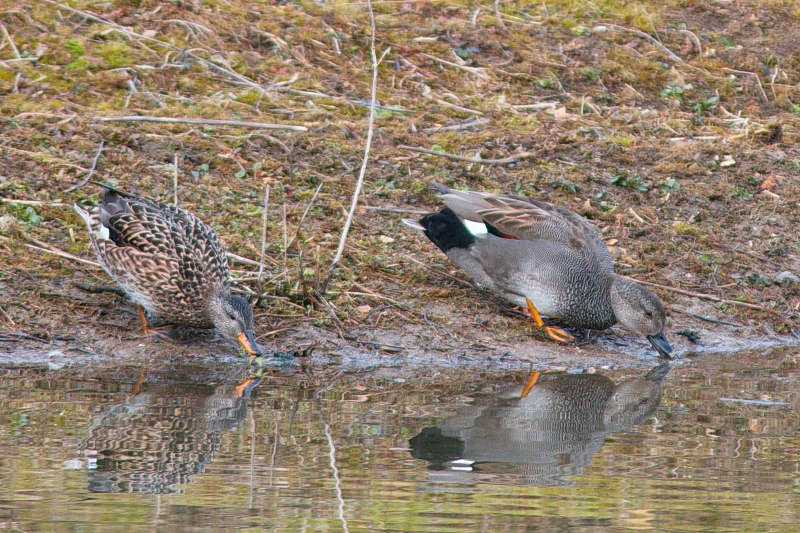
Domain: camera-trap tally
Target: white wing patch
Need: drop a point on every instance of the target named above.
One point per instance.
(476, 228)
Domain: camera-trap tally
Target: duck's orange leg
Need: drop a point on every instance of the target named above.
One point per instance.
(532, 381)
(530, 384)
(553, 332)
(164, 332)
(137, 387)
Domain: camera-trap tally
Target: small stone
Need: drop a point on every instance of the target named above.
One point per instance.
(385, 240)
(363, 310)
(727, 161)
(786, 278)
(6, 223)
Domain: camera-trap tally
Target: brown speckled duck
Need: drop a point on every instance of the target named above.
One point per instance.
(543, 257)
(170, 263)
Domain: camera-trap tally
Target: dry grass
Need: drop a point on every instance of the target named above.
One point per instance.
(627, 111)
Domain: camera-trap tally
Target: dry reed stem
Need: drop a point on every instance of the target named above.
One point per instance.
(651, 39)
(476, 160)
(42, 247)
(754, 75)
(263, 238)
(367, 145)
(175, 180)
(91, 170)
(202, 121)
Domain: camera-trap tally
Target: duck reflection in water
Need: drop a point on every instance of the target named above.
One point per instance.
(163, 436)
(538, 434)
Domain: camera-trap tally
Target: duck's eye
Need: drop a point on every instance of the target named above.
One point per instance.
(648, 312)
(233, 317)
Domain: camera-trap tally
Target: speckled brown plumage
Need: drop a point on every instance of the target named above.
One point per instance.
(168, 261)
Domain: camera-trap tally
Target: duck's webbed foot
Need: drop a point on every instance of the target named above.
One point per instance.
(165, 332)
(553, 332)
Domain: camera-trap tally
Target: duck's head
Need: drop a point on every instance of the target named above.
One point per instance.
(233, 318)
(640, 311)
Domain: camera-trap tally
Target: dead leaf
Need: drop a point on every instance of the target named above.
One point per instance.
(768, 183)
(363, 310)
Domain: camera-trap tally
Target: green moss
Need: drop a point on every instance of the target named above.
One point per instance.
(116, 54)
(75, 47)
(684, 228)
(79, 65)
(249, 97)
(622, 140)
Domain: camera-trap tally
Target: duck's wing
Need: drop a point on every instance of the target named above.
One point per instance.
(517, 217)
(150, 234)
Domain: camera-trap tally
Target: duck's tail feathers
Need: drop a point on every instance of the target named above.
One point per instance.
(446, 230)
(91, 218)
(84, 214)
(466, 205)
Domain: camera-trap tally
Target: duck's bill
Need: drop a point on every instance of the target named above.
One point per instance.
(248, 342)
(660, 343)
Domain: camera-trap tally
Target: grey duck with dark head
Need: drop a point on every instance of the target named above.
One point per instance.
(543, 257)
(170, 263)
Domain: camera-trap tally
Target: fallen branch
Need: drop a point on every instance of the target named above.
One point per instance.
(701, 295)
(478, 160)
(202, 121)
(91, 170)
(367, 145)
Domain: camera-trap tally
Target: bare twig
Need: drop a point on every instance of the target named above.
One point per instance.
(367, 145)
(302, 218)
(651, 39)
(479, 72)
(459, 127)
(91, 170)
(202, 121)
(504, 161)
(263, 238)
(175, 181)
(42, 247)
(754, 75)
(704, 318)
(241, 259)
(10, 41)
(457, 107)
(33, 202)
(395, 210)
(695, 40)
(701, 295)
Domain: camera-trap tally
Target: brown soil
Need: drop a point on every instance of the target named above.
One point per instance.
(684, 154)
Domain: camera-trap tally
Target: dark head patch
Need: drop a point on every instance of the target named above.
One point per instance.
(446, 230)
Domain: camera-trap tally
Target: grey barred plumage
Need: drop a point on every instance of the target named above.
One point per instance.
(546, 257)
(169, 262)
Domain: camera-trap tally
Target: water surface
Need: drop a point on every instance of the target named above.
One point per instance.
(710, 445)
